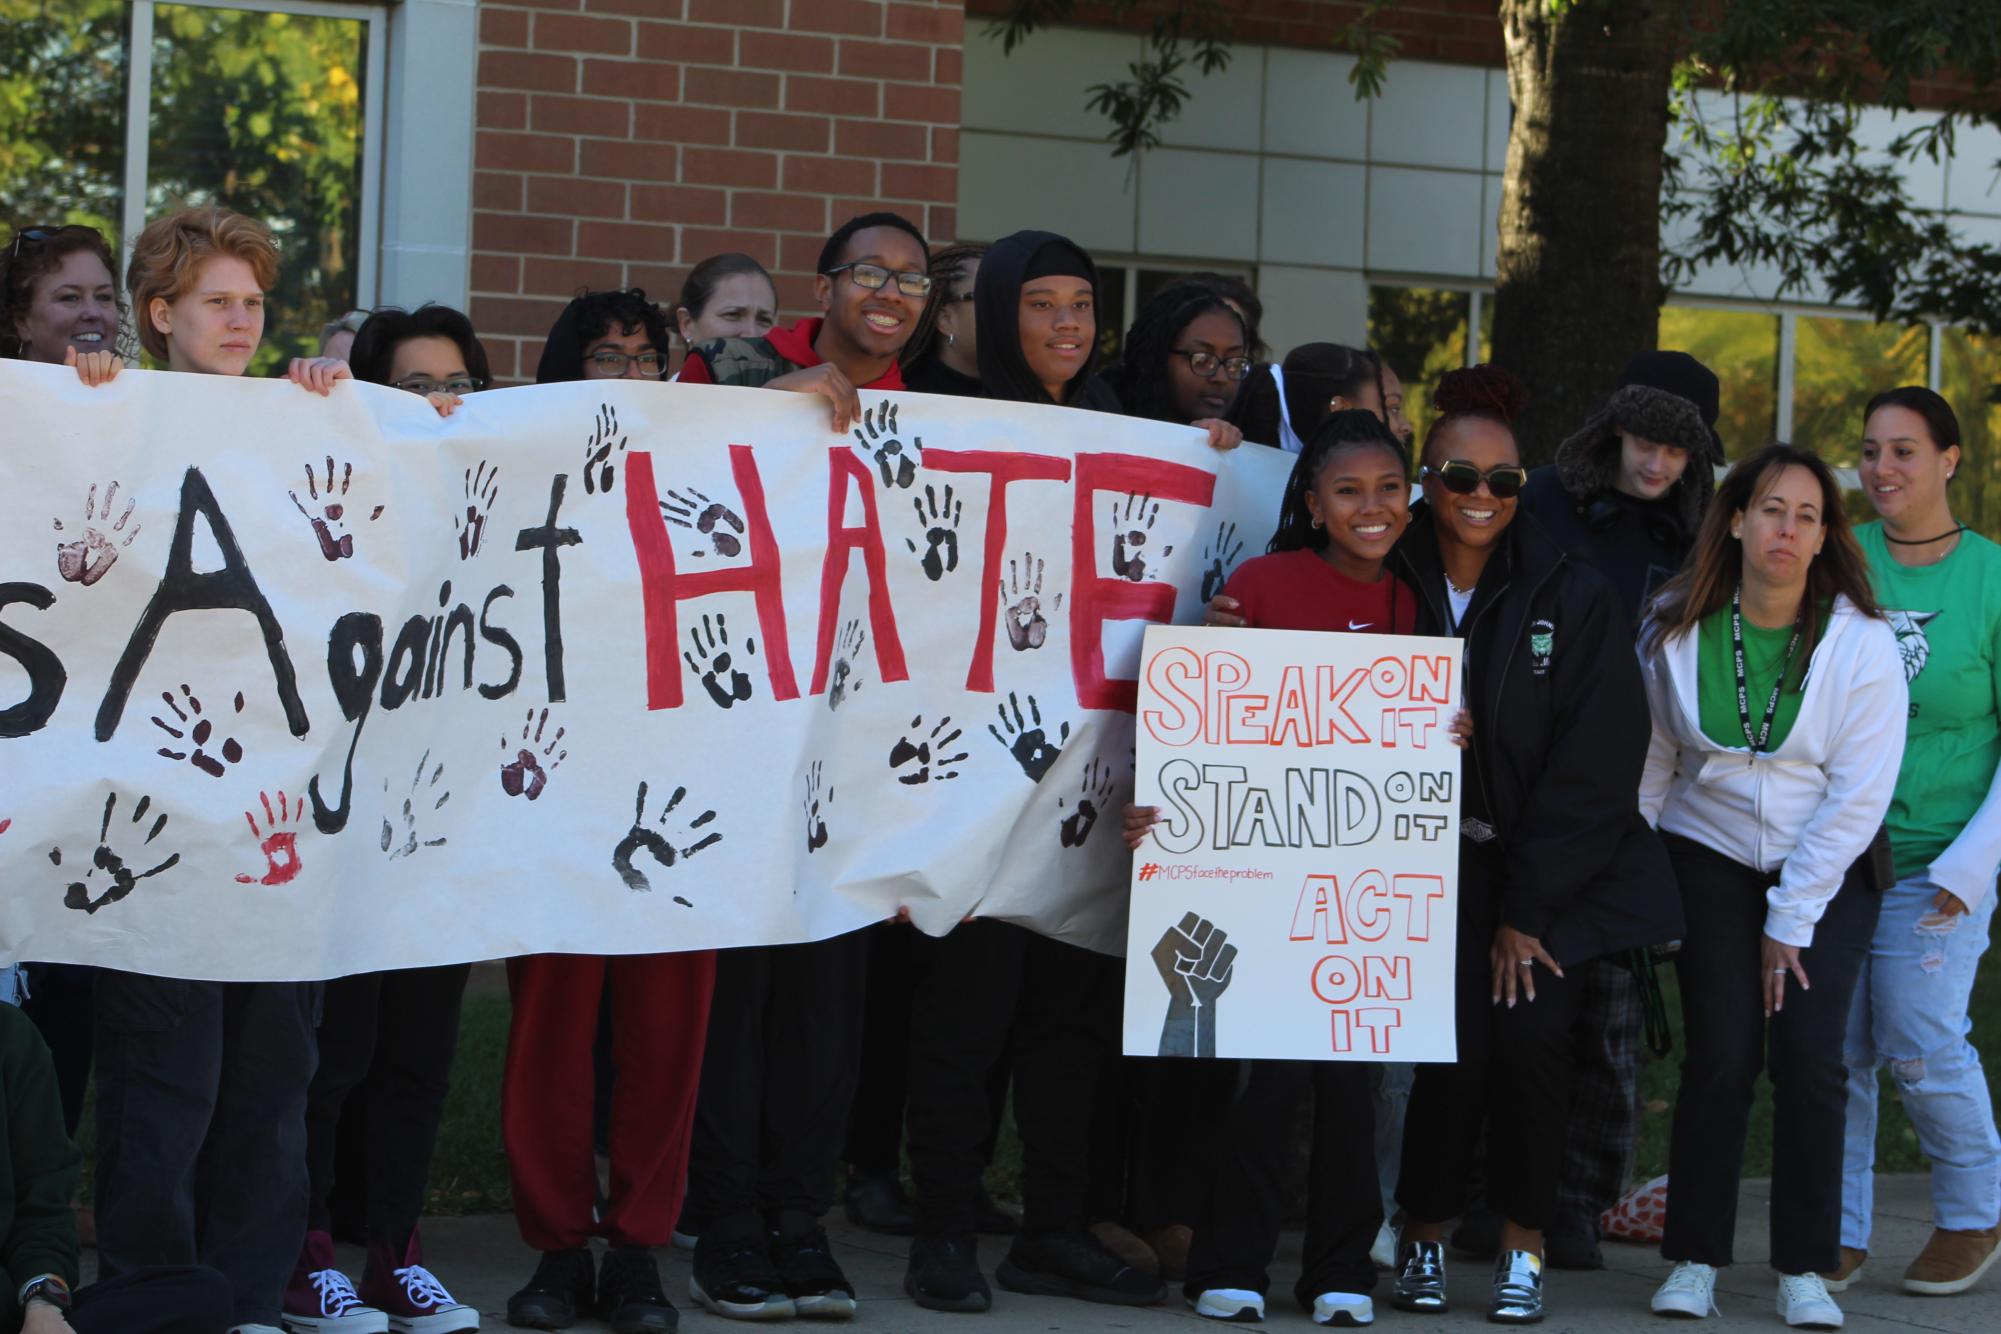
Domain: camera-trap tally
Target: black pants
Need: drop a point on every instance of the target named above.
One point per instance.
(60, 1001)
(201, 1129)
(1514, 1070)
(985, 990)
(1725, 1039)
(1154, 1139)
(777, 1078)
(1234, 1245)
(159, 1299)
(392, 1035)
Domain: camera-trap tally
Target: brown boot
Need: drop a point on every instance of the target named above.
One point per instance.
(1124, 1243)
(1952, 1261)
(1171, 1244)
(1838, 1278)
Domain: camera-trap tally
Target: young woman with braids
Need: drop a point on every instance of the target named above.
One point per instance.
(1183, 358)
(943, 356)
(1282, 404)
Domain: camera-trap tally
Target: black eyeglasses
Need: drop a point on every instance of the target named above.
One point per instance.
(613, 364)
(875, 276)
(1206, 364)
(1462, 478)
(425, 384)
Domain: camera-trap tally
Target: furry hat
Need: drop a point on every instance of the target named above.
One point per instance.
(1588, 462)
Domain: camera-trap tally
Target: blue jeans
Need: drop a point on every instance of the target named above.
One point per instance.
(1910, 1010)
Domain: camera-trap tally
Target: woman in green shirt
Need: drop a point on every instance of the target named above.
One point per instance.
(1940, 585)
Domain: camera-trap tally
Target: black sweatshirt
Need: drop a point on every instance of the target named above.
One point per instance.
(38, 1167)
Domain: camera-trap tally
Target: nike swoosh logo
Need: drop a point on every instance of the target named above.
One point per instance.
(1362, 625)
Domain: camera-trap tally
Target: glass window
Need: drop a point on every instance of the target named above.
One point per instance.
(1838, 366)
(1421, 334)
(62, 111)
(1742, 347)
(1969, 369)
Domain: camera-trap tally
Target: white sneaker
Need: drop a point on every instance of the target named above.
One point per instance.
(1384, 1253)
(1804, 1303)
(1690, 1290)
(1237, 1305)
(1346, 1309)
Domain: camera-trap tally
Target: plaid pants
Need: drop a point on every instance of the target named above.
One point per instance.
(1605, 1044)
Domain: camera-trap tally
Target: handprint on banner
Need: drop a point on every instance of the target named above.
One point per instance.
(195, 732)
(410, 841)
(708, 656)
(1220, 557)
(879, 436)
(691, 838)
(330, 499)
(600, 451)
(817, 805)
(846, 679)
(1131, 523)
(119, 878)
(1022, 592)
(1096, 796)
(1195, 961)
(90, 557)
(1026, 739)
(928, 754)
(524, 775)
(482, 488)
(277, 839)
(940, 522)
(711, 518)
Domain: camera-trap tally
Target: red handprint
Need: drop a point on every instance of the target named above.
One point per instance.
(280, 846)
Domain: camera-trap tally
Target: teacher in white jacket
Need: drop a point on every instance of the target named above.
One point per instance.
(1778, 705)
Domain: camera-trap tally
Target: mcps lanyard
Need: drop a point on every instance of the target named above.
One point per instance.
(1757, 741)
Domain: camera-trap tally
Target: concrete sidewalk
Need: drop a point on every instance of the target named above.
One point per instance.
(482, 1260)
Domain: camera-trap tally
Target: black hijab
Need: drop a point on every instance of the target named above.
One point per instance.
(1004, 270)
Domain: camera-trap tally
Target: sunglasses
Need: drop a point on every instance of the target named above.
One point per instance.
(41, 235)
(873, 277)
(1463, 479)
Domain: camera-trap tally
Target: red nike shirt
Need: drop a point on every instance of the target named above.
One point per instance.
(1298, 590)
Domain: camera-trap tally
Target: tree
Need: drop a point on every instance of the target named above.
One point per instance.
(1773, 172)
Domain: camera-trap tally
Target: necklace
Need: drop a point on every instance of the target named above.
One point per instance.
(1756, 740)
(1956, 530)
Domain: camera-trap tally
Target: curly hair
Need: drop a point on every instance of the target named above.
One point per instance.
(1143, 378)
(950, 268)
(27, 261)
(389, 327)
(625, 310)
(1352, 428)
(1484, 392)
(168, 257)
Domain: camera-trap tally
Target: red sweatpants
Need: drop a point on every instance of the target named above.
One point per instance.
(660, 1018)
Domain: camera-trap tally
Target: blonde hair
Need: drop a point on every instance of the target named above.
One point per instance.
(167, 259)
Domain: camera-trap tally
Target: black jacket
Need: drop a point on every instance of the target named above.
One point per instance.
(1004, 372)
(1637, 544)
(39, 1167)
(1560, 733)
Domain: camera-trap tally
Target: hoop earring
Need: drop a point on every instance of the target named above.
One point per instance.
(1316, 522)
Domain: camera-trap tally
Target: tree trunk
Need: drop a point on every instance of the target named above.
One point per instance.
(1578, 287)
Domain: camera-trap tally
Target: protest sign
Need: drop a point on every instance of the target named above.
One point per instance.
(294, 687)
(1298, 899)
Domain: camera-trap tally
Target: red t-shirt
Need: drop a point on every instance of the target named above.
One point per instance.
(793, 343)
(1297, 590)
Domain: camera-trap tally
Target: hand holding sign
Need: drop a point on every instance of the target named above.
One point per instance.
(1195, 961)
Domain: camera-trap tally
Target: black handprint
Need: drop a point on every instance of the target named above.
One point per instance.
(1222, 555)
(410, 842)
(523, 775)
(331, 502)
(605, 441)
(90, 557)
(698, 513)
(940, 521)
(197, 734)
(119, 878)
(1025, 739)
(878, 435)
(685, 845)
(929, 753)
(482, 489)
(1130, 524)
(816, 825)
(847, 662)
(710, 642)
(1097, 792)
(1022, 591)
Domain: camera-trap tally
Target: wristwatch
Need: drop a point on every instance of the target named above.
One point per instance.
(45, 1288)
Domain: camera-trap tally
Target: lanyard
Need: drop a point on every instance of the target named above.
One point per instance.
(1757, 741)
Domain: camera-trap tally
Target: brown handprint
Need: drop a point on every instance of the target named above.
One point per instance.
(120, 879)
(276, 840)
(330, 499)
(482, 489)
(711, 518)
(524, 775)
(90, 557)
(1022, 591)
(197, 734)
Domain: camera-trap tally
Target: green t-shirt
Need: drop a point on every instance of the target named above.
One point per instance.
(1948, 622)
(1716, 680)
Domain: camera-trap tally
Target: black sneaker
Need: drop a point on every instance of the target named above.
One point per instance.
(734, 1277)
(944, 1274)
(878, 1204)
(1573, 1244)
(1076, 1264)
(565, 1283)
(812, 1277)
(629, 1295)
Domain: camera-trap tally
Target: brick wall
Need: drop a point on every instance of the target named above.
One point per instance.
(621, 141)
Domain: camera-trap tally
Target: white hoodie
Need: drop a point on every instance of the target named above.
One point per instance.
(1813, 804)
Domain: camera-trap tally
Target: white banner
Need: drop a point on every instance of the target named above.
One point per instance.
(1299, 898)
(295, 687)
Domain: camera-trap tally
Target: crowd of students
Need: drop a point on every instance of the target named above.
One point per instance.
(1706, 721)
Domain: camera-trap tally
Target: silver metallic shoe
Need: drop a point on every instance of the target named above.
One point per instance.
(1517, 1289)
(1420, 1277)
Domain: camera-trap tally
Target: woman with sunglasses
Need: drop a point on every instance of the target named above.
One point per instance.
(59, 301)
(1779, 705)
(1183, 358)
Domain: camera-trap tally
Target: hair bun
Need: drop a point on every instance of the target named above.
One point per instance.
(1485, 390)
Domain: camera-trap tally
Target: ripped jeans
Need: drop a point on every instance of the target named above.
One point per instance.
(1910, 1012)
